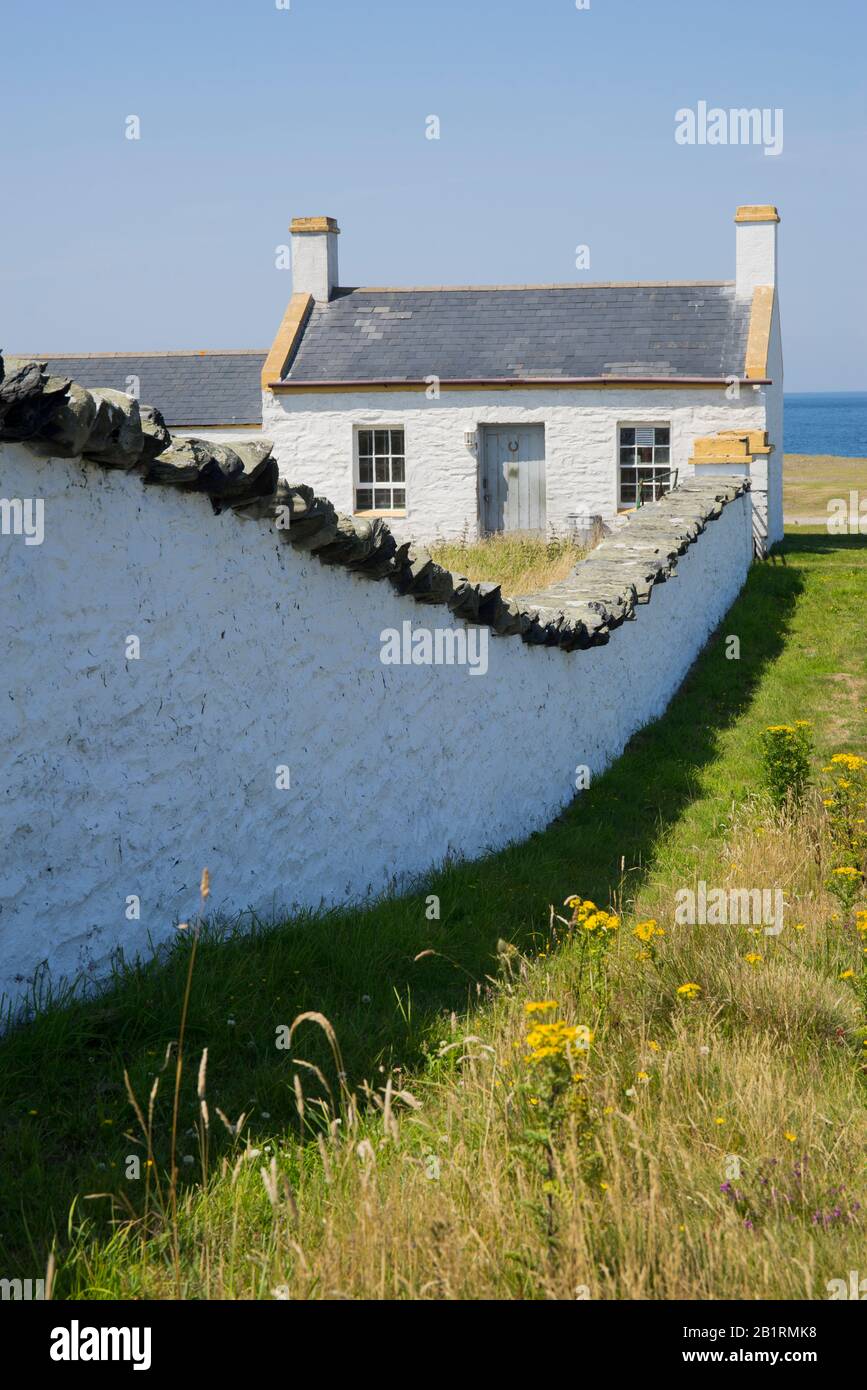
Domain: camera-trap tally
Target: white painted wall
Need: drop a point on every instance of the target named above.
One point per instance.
(125, 777)
(773, 484)
(314, 263)
(755, 256)
(313, 438)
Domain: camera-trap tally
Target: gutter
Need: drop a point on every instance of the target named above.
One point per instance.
(514, 383)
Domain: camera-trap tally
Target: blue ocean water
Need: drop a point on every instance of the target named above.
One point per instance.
(826, 422)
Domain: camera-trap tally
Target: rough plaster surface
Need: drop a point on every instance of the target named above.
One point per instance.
(126, 777)
(313, 438)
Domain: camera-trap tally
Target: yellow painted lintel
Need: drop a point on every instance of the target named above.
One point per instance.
(313, 224)
(759, 336)
(288, 335)
(760, 212)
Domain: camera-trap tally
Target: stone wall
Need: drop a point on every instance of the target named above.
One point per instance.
(192, 676)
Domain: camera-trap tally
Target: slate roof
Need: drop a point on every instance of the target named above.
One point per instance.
(192, 389)
(672, 331)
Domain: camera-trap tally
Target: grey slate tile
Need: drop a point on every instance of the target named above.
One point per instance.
(695, 330)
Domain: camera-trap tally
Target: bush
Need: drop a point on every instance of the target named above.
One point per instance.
(845, 802)
(786, 753)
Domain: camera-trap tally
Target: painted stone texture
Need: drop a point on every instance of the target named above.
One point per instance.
(193, 677)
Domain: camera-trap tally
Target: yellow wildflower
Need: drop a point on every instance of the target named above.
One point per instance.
(555, 1039)
(587, 915)
(850, 761)
(646, 931)
(690, 990)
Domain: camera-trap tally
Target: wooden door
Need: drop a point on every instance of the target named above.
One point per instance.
(513, 478)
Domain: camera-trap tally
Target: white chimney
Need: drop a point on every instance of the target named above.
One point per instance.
(755, 249)
(314, 256)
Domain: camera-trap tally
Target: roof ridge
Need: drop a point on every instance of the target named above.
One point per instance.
(565, 285)
(170, 352)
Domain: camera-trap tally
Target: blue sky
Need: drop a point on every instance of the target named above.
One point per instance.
(557, 129)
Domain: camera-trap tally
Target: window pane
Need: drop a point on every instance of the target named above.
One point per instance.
(382, 498)
(644, 435)
(627, 492)
(397, 442)
(382, 470)
(363, 499)
(627, 436)
(399, 497)
(662, 455)
(365, 470)
(381, 441)
(662, 435)
(397, 470)
(645, 455)
(627, 455)
(365, 441)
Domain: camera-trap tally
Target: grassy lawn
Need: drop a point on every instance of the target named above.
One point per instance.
(425, 1158)
(811, 480)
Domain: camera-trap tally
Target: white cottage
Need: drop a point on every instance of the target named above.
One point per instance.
(476, 409)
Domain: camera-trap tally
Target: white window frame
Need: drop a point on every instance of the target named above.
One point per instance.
(660, 469)
(381, 486)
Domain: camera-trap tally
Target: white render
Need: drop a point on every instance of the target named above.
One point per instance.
(125, 777)
(314, 263)
(755, 256)
(314, 442)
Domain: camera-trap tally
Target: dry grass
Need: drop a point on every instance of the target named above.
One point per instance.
(810, 481)
(520, 562)
(434, 1193)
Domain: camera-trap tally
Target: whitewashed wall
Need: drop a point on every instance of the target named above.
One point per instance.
(313, 442)
(125, 777)
(773, 482)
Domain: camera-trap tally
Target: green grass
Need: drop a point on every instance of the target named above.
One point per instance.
(659, 816)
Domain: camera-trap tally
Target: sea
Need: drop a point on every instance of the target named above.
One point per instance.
(826, 422)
